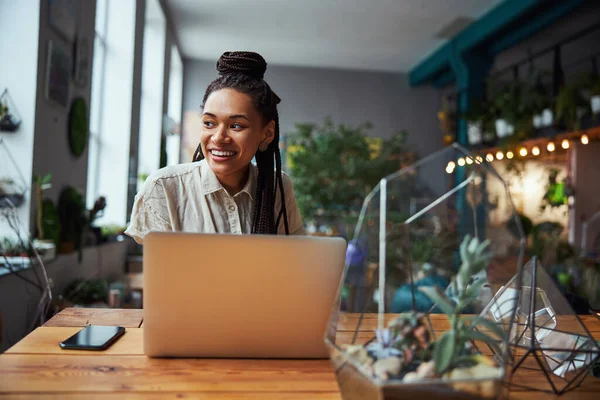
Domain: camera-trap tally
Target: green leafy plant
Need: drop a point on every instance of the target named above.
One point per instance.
(334, 167)
(452, 349)
(509, 103)
(87, 291)
(571, 106)
(73, 217)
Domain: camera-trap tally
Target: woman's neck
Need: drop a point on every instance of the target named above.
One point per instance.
(235, 181)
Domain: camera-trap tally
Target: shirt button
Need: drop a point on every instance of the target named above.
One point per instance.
(231, 208)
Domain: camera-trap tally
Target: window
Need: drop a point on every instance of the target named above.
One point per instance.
(96, 102)
(174, 107)
(151, 107)
(110, 108)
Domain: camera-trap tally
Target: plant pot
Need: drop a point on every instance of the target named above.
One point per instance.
(474, 133)
(503, 128)
(547, 117)
(46, 249)
(11, 199)
(66, 247)
(595, 104)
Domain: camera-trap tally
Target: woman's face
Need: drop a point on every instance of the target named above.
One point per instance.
(232, 130)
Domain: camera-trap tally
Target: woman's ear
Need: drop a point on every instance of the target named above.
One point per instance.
(269, 132)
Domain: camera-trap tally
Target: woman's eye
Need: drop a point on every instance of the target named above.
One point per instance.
(209, 124)
(236, 126)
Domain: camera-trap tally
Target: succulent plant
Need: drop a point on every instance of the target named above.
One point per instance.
(453, 348)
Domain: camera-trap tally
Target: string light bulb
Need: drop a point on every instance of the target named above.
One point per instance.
(469, 160)
(551, 147)
(449, 169)
(565, 144)
(510, 155)
(451, 164)
(499, 155)
(461, 162)
(535, 151)
(585, 139)
(489, 157)
(523, 152)
(478, 159)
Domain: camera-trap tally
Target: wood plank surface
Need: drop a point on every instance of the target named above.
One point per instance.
(45, 340)
(128, 318)
(283, 395)
(36, 367)
(49, 373)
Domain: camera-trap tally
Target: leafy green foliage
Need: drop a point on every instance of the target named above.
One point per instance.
(73, 216)
(334, 168)
(571, 106)
(452, 348)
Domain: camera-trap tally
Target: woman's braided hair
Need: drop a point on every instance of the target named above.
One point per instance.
(244, 72)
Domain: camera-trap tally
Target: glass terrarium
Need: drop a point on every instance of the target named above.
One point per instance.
(433, 243)
(551, 349)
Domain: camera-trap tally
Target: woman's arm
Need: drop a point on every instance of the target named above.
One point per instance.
(149, 212)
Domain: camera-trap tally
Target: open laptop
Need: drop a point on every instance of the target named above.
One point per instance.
(239, 296)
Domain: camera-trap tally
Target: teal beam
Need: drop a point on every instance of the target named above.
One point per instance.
(443, 79)
(475, 34)
(523, 31)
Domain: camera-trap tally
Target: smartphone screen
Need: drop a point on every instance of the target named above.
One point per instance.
(93, 337)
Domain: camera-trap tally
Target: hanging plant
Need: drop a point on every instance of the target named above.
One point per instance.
(571, 106)
(9, 116)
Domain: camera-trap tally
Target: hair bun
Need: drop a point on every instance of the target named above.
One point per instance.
(242, 62)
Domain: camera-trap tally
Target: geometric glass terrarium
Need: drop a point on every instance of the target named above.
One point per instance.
(430, 249)
(551, 349)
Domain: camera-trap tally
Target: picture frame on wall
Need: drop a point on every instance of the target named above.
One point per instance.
(81, 65)
(62, 17)
(58, 74)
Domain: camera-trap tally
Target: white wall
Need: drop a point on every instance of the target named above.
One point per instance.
(19, 30)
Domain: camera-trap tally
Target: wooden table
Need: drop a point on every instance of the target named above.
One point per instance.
(36, 367)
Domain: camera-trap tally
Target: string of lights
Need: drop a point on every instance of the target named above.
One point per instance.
(528, 149)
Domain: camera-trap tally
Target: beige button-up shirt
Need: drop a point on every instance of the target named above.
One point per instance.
(190, 198)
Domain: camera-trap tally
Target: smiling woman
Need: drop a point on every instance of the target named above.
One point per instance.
(222, 191)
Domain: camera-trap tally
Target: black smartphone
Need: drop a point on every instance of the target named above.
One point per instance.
(93, 337)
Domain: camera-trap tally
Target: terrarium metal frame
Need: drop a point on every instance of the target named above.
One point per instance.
(587, 347)
(365, 384)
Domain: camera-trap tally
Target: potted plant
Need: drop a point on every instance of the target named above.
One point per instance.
(335, 166)
(405, 353)
(538, 100)
(10, 193)
(94, 233)
(73, 219)
(509, 111)
(571, 106)
(477, 123)
(592, 89)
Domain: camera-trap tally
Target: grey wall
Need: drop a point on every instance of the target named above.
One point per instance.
(51, 153)
(349, 97)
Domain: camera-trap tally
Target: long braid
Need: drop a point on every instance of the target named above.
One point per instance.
(244, 72)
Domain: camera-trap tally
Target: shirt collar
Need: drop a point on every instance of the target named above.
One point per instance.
(211, 184)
